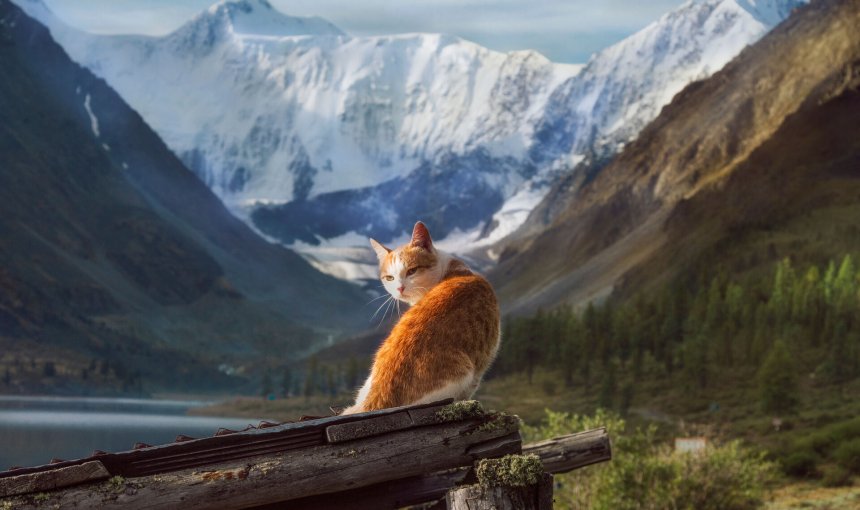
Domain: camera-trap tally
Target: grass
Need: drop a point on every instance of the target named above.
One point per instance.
(811, 495)
(279, 410)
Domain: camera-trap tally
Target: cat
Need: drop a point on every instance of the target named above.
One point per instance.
(444, 343)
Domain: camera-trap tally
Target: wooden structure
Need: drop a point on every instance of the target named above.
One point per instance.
(383, 459)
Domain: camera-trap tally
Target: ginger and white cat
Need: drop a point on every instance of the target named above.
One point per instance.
(444, 343)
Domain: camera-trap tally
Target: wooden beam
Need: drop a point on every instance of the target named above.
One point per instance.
(558, 455)
(479, 497)
(49, 480)
(573, 451)
(368, 428)
(311, 471)
(405, 492)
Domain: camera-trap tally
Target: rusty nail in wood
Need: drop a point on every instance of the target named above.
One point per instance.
(182, 438)
(266, 425)
(140, 446)
(223, 432)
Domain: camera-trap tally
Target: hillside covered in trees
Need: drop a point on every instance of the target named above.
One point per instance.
(691, 332)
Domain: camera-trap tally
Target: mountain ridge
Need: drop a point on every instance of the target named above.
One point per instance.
(349, 118)
(617, 220)
(114, 251)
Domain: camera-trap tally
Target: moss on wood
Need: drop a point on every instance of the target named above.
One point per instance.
(462, 410)
(510, 471)
(116, 483)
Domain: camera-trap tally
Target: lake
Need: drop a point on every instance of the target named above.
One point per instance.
(35, 429)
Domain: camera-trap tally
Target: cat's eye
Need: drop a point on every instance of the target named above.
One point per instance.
(411, 271)
(388, 278)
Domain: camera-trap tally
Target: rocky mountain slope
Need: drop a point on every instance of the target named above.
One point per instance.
(318, 138)
(113, 250)
(737, 168)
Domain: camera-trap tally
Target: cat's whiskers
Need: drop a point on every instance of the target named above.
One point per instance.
(377, 297)
(380, 307)
(389, 307)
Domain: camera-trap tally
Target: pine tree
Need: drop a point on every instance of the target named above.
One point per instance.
(812, 305)
(671, 331)
(266, 385)
(777, 381)
(844, 287)
(626, 398)
(310, 386)
(330, 384)
(696, 359)
(734, 316)
(286, 382)
(352, 374)
(839, 363)
(571, 348)
(620, 343)
(827, 283)
(780, 297)
(607, 388)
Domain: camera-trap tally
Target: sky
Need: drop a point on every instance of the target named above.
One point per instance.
(563, 30)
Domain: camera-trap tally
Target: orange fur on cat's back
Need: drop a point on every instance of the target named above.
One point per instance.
(453, 331)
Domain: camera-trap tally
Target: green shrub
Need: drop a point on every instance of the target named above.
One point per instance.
(644, 474)
(836, 476)
(847, 455)
(824, 441)
(800, 464)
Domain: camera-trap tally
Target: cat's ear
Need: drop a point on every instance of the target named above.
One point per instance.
(379, 248)
(421, 237)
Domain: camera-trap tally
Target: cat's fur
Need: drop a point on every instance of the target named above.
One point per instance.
(444, 343)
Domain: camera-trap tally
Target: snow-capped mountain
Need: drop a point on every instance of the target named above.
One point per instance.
(623, 87)
(314, 136)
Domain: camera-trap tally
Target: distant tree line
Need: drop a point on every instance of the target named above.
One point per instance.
(316, 378)
(691, 332)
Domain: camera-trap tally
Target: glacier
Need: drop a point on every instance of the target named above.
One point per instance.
(318, 139)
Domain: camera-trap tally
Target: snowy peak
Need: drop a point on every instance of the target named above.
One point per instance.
(623, 87)
(320, 122)
(253, 18)
(770, 12)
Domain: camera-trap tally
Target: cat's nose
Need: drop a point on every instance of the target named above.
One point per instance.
(401, 288)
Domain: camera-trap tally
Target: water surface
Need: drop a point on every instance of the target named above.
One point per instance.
(33, 430)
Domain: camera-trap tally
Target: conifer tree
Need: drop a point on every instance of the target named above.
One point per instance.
(310, 386)
(286, 382)
(266, 385)
(777, 381)
(352, 374)
(607, 388)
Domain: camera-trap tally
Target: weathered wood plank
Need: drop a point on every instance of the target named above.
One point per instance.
(383, 496)
(573, 451)
(369, 427)
(300, 473)
(478, 497)
(49, 480)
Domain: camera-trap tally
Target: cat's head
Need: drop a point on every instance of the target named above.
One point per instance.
(410, 271)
